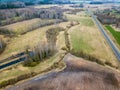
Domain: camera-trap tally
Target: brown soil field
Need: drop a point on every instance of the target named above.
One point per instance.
(79, 74)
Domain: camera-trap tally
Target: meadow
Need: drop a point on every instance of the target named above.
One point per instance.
(86, 38)
(116, 34)
(19, 43)
(25, 26)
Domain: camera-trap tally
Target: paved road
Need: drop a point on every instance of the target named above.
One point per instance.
(110, 42)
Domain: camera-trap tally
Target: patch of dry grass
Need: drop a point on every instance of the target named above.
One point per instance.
(44, 6)
(19, 69)
(30, 39)
(87, 38)
(24, 26)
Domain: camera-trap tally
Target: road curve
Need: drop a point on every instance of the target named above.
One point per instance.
(110, 42)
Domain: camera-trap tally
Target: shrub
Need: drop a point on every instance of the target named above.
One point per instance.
(6, 31)
(2, 45)
(64, 48)
(110, 64)
(87, 56)
(67, 42)
(15, 80)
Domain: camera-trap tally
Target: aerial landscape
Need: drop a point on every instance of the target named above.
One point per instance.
(59, 44)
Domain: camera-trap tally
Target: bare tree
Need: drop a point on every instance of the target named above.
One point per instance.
(1, 43)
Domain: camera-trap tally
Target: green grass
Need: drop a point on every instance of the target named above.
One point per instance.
(78, 43)
(86, 21)
(116, 34)
(86, 38)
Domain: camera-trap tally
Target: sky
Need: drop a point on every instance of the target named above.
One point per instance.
(95, 0)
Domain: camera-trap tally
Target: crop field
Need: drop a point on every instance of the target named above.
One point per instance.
(116, 34)
(87, 38)
(25, 26)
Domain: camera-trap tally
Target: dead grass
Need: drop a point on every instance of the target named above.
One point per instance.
(78, 75)
(24, 26)
(30, 39)
(44, 6)
(19, 43)
(19, 69)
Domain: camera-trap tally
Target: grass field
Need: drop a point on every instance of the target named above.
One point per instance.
(19, 69)
(18, 44)
(32, 38)
(87, 38)
(45, 6)
(83, 19)
(115, 33)
(25, 26)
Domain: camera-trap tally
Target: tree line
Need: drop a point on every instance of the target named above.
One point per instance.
(43, 50)
(11, 5)
(10, 16)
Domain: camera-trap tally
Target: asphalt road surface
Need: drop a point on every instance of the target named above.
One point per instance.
(110, 42)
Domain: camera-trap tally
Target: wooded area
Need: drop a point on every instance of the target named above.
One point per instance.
(10, 16)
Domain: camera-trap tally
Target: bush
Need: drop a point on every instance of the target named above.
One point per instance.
(15, 80)
(2, 45)
(6, 31)
(110, 64)
(87, 56)
(51, 34)
(64, 48)
(67, 42)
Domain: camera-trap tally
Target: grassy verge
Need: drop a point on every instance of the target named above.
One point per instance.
(116, 34)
